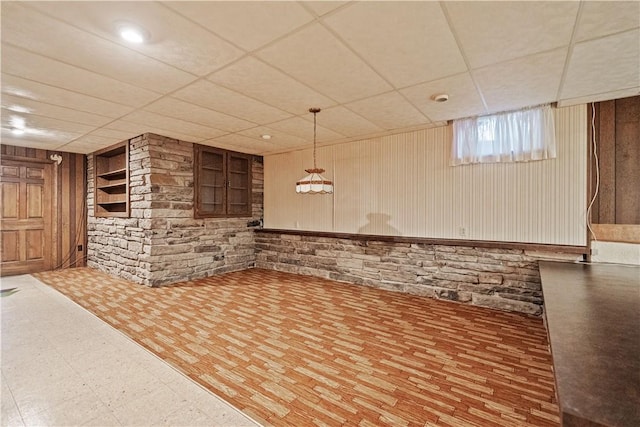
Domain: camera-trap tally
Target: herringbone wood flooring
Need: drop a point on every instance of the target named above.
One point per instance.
(298, 350)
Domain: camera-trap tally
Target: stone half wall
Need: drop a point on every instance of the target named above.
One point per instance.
(504, 279)
(161, 242)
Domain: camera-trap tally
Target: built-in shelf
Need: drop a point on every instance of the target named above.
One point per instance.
(111, 167)
(114, 174)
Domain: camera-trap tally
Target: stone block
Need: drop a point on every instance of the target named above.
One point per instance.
(134, 247)
(171, 249)
(490, 278)
(506, 304)
(420, 290)
(455, 277)
(350, 263)
(398, 276)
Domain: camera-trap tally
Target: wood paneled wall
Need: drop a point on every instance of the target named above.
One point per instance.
(69, 203)
(617, 137)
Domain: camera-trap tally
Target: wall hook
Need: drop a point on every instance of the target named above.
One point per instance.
(56, 158)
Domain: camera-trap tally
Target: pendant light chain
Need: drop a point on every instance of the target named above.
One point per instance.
(314, 139)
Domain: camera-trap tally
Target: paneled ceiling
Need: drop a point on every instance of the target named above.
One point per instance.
(226, 73)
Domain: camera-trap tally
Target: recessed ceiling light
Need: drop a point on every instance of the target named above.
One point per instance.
(265, 136)
(16, 131)
(132, 33)
(441, 97)
(17, 122)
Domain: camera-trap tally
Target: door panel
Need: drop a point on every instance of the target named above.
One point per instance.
(26, 216)
(10, 200)
(10, 171)
(10, 246)
(34, 244)
(34, 200)
(35, 173)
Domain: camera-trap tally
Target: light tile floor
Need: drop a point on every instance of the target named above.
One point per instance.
(61, 365)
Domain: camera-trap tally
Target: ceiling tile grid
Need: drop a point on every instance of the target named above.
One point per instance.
(226, 72)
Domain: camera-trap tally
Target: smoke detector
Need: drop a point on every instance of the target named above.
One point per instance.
(441, 97)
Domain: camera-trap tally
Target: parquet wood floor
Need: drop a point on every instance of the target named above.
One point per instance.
(299, 350)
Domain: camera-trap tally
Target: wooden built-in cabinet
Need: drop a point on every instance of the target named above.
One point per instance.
(111, 166)
(222, 183)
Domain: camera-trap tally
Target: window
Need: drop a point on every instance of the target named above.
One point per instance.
(222, 183)
(516, 136)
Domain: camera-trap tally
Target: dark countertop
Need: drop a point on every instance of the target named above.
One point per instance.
(593, 322)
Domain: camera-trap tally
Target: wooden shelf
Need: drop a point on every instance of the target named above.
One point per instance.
(114, 174)
(111, 168)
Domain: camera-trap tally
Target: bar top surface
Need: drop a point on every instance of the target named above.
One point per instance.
(593, 322)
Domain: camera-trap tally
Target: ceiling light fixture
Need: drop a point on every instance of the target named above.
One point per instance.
(17, 131)
(132, 33)
(314, 183)
(266, 137)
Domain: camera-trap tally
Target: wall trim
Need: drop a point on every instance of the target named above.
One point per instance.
(430, 241)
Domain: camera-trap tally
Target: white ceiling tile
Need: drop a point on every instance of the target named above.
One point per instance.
(521, 82)
(314, 56)
(247, 24)
(18, 62)
(323, 7)
(98, 142)
(88, 144)
(41, 130)
(303, 128)
(389, 110)
(174, 39)
(29, 106)
(41, 125)
(601, 18)
(346, 122)
(31, 141)
(604, 65)
(260, 81)
(464, 99)
(122, 129)
(169, 132)
(195, 131)
(116, 135)
(173, 107)
(24, 28)
(492, 32)
(242, 143)
(30, 90)
(73, 147)
(278, 138)
(407, 42)
(218, 98)
(605, 96)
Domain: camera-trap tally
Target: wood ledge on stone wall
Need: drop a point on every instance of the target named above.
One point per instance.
(538, 247)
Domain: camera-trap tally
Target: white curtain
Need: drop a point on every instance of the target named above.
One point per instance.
(517, 136)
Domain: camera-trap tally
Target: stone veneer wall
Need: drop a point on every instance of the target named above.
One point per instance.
(505, 279)
(161, 242)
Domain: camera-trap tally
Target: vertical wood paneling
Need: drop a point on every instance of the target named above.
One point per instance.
(627, 160)
(607, 159)
(617, 134)
(69, 203)
(403, 185)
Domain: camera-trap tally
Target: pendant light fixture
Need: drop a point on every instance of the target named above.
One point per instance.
(314, 183)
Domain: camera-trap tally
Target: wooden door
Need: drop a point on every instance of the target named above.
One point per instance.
(25, 215)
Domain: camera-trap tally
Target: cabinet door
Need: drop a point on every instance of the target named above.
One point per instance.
(210, 187)
(239, 186)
